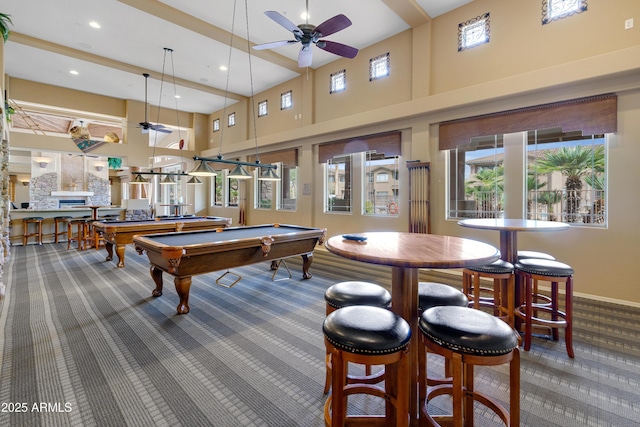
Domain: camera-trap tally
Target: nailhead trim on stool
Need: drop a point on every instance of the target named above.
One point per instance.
(370, 336)
(468, 337)
(534, 270)
(345, 294)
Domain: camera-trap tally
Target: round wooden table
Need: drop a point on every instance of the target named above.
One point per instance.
(509, 229)
(405, 253)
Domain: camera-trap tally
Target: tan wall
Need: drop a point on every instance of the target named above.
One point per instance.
(520, 43)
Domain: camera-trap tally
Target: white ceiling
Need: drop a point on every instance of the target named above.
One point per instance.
(50, 38)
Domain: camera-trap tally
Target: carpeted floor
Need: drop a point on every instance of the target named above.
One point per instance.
(84, 344)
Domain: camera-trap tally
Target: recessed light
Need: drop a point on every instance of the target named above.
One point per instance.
(74, 72)
(177, 96)
(223, 68)
(305, 16)
(94, 24)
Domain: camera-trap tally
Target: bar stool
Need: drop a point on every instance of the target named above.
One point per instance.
(345, 294)
(37, 220)
(433, 294)
(532, 271)
(79, 236)
(535, 254)
(61, 225)
(467, 338)
(501, 299)
(369, 336)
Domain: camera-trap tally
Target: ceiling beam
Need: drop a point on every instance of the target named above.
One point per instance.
(409, 10)
(167, 13)
(106, 62)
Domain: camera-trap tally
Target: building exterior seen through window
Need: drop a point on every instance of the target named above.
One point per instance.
(338, 184)
(381, 184)
(287, 190)
(564, 177)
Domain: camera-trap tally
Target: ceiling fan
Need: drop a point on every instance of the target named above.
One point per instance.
(308, 34)
(146, 125)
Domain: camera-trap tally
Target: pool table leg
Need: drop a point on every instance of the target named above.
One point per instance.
(120, 252)
(109, 247)
(183, 284)
(156, 275)
(307, 259)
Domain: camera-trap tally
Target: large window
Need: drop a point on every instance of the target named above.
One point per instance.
(381, 184)
(263, 195)
(338, 184)
(287, 191)
(563, 176)
(232, 191)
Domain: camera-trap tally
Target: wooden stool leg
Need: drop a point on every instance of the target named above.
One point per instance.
(568, 332)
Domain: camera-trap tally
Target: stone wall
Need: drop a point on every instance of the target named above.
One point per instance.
(40, 190)
(101, 190)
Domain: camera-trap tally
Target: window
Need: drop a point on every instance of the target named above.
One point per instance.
(263, 108)
(338, 184)
(287, 191)
(263, 194)
(218, 188)
(232, 191)
(380, 192)
(558, 9)
(473, 32)
(216, 125)
(232, 119)
(379, 67)
(338, 81)
(563, 175)
(286, 100)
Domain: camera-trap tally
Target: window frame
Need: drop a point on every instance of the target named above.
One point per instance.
(262, 113)
(464, 28)
(286, 100)
(335, 78)
(373, 66)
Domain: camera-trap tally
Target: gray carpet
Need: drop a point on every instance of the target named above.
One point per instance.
(84, 344)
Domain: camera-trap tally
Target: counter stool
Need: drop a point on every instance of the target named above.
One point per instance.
(369, 336)
(501, 298)
(79, 235)
(531, 272)
(432, 294)
(346, 294)
(37, 220)
(61, 225)
(467, 338)
(538, 298)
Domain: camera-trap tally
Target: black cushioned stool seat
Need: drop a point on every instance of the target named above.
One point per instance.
(501, 298)
(432, 294)
(370, 336)
(468, 337)
(37, 220)
(345, 294)
(60, 224)
(532, 271)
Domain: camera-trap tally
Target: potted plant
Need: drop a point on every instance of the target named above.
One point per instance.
(5, 21)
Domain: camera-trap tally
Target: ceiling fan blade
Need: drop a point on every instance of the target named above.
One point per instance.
(271, 45)
(333, 25)
(285, 22)
(305, 57)
(337, 48)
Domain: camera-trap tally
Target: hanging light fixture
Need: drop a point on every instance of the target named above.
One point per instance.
(194, 181)
(168, 180)
(239, 172)
(269, 175)
(203, 169)
(139, 180)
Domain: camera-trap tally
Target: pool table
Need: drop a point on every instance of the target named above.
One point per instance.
(186, 254)
(120, 233)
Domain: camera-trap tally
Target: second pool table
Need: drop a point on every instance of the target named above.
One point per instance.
(120, 233)
(186, 254)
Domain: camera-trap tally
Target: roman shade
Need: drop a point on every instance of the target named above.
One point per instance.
(592, 116)
(382, 143)
(287, 157)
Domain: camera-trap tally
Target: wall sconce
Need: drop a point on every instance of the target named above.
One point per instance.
(99, 166)
(42, 161)
(25, 183)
